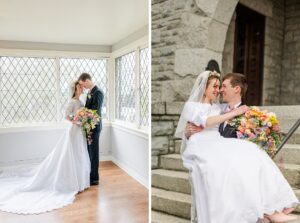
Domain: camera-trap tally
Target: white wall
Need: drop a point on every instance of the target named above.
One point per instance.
(130, 151)
(25, 145)
(128, 148)
(129, 143)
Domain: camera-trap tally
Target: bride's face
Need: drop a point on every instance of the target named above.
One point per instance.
(213, 89)
(78, 89)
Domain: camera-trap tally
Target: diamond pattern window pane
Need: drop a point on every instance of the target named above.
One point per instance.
(71, 69)
(144, 87)
(125, 87)
(28, 90)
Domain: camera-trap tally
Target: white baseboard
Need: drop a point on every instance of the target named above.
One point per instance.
(142, 180)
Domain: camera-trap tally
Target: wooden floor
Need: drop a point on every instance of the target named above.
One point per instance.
(118, 199)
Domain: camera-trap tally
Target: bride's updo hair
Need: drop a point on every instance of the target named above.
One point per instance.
(213, 75)
(73, 88)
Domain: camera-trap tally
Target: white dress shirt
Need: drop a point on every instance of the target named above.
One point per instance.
(228, 109)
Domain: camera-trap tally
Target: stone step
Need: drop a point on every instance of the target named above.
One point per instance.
(289, 154)
(159, 217)
(171, 180)
(284, 112)
(172, 162)
(297, 193)
(178, 181)
(292, 173)
(178, 204)
(287, 124)
(290, 170)
(172, 203)
(295, 138)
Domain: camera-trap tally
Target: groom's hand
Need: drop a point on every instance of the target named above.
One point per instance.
(192, 129)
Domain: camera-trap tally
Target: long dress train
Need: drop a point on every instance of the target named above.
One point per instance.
(54, 182)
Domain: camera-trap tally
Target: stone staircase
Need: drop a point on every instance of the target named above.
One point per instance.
(171, 199)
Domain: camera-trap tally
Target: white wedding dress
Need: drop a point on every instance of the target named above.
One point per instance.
(53, 183)
(234, 181)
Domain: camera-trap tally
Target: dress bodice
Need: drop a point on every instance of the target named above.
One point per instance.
(73, 106)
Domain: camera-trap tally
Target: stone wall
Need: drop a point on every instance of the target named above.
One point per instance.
(166, 20)
(227, 58)
(290, 90)
(274, 35)
(186, 34)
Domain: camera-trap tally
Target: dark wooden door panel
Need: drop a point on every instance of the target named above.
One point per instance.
(248, 52)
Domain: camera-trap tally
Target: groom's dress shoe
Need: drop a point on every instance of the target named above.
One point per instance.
(94, 183)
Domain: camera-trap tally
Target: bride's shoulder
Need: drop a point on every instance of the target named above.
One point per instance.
(196, 105)
(74, 101)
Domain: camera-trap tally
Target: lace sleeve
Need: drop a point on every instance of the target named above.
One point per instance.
(69, 109)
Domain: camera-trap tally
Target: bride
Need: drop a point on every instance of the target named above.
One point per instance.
(55, 182)
(232, 180)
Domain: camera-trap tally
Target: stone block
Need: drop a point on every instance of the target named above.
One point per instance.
(154, 162)
(160, 143)
(158, 108)
(174, 108)
(194, 61)
(162, 128)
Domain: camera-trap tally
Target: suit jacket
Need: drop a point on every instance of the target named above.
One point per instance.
(228, 131)
(94, 102)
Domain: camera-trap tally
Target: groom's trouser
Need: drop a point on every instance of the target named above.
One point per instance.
(93, 150)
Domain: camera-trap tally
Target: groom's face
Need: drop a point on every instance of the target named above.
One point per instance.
(83, 84)
(227, 90)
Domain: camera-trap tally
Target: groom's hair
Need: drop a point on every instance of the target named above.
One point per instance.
(84, 77)
(237, 79)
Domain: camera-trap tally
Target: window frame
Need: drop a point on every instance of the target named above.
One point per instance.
(110, 120)
(133, 47)
(56, 55)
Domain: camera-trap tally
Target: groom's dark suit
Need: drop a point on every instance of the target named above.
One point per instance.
(94, 101)
(228, 131)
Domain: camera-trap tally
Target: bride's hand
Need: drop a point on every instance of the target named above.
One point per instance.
(241, 110)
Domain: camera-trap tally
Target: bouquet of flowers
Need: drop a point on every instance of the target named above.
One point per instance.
(260, 127)
(88, 119)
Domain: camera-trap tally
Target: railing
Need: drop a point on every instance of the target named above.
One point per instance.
(287, 137)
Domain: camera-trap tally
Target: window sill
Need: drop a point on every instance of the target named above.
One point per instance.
(130, 128)
(37, 127)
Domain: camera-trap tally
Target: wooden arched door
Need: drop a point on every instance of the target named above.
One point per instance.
(249, 51)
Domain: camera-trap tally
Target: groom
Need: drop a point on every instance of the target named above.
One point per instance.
(94, 101)
(233, 89)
